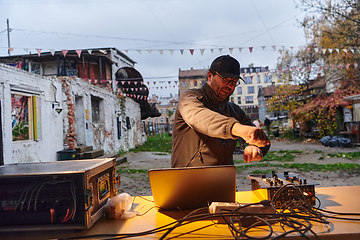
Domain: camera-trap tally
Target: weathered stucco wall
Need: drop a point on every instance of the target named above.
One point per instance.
(76, 121)
(48, 90)
(102, 133)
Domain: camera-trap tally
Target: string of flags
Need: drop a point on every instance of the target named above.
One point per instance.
(127, 91)
(192, 51)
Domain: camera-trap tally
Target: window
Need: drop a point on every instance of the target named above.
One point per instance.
(249, 99)
(239, 90)
(36, 68)
(157, 120)
(161, 119)
(251, 89)
(25, 117)
(267, 79)
(97, 109)
(161, 111)
(258, 79)
(166, 111)
(195, 83)
(248, 80)
(232, 99)
(239, 100)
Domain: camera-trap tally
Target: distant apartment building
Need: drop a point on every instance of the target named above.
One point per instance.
(164, 122)
(245, 95)
(193, 78)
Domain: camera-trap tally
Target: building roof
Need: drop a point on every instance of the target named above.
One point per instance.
(192, 73)
(48, 56)
(318, 82)
(269, 91)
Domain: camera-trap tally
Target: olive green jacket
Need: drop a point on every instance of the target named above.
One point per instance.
(202, 129)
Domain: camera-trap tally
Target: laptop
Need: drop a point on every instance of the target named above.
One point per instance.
(192, 187)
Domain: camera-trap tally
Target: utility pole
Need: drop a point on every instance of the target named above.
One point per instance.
(8, 33)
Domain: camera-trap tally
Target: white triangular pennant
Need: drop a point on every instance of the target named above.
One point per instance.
(52, 51)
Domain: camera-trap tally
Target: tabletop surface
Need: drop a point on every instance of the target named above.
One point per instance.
(337, 199)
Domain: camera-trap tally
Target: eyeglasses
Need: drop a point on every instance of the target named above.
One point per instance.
(226, 81)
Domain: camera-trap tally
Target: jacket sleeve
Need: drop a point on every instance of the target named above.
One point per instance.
(202, 119)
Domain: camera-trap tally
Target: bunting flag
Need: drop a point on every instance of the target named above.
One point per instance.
(78, 52)
(89, 51)
(52, 51)
(38, 51)
(191, 51)
(250, 49)
(64, 51)
(26, 50)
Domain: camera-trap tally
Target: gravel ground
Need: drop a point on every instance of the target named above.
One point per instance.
(137, 184)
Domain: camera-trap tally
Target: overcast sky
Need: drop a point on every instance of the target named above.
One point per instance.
(153, 32)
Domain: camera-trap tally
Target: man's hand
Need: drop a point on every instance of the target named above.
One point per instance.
(252, 153)
(251, 135)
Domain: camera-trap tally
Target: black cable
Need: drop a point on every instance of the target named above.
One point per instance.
(299, 219)
(338, 213)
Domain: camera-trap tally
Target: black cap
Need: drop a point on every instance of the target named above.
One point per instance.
(226, 66)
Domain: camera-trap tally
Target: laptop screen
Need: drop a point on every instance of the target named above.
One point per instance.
(192, 187)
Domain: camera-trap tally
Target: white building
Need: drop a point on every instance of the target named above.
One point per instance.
(92, 114)
(245, 95)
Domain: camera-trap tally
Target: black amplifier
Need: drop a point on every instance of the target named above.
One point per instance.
(283, 189)
(55, 195)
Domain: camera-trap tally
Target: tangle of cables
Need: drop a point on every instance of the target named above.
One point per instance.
(29, 199)
(293, 217)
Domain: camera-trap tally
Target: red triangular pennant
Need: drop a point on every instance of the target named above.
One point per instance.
(78, 52)
(64, 52)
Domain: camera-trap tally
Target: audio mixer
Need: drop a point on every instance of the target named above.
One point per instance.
(283, 188)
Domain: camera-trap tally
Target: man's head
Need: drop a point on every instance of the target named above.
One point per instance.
(223, 76)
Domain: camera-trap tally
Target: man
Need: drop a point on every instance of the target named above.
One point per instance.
(267, 123)
(207, 125)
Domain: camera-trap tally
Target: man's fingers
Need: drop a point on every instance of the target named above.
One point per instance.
(245, 157)
(252, 153)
